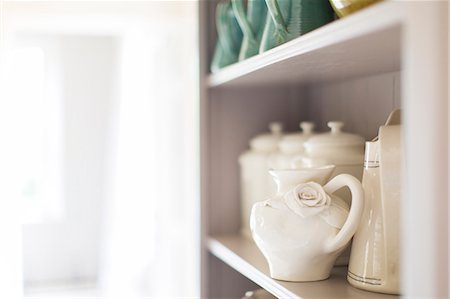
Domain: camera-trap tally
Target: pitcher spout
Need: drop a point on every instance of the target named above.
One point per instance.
(287, 179)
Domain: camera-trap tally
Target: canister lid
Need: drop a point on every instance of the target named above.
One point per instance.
(268, 142)
(293, 143)
(336, 138)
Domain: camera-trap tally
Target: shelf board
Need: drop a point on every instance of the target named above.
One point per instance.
(365, 43)
(242, 254)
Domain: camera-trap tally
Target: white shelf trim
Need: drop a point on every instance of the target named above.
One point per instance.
(242, 255)
(246, 269)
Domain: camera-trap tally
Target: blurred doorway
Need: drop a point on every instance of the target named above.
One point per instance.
(104, 96)
(61, 237)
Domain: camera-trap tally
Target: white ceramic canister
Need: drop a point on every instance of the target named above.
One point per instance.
(256, 183)
(290, 147)
(344, 150)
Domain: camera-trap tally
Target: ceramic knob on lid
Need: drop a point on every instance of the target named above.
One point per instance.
(294, 143)
(268, 142)
(335, 147)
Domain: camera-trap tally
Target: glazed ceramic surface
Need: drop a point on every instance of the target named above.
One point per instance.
(256, 183)
(344, 150)
(290, 147)
(346, 7)
(288, 19)
(302, 230)
(229, 37)
(251, 21)
(374, 262)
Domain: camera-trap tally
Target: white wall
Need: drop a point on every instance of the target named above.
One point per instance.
(149, 237)
(68, 249)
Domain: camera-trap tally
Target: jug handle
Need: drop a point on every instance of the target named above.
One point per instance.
(355, 213)
(277, 17)
(239, 11)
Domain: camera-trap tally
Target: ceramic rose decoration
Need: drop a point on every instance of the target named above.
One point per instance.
(303, 229)
(307, 199)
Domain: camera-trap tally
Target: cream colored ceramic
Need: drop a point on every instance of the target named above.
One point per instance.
(339, 148)
(256, 182)
(302, 230)
(290, 147)
(374, 262)
(344, 150)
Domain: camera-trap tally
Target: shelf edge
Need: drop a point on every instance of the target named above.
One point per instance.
(243, 267)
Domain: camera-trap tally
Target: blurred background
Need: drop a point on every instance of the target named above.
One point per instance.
(99, 149)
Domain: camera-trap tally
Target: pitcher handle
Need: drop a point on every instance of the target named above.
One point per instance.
(276, 15)
(355, 213)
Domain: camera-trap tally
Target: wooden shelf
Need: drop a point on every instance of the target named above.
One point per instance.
(373, 35)
(242, 254)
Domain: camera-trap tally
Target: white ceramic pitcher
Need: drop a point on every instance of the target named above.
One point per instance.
(342, 149)
(302, 230)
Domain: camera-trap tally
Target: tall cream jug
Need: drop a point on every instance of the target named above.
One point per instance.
(290, 147)
(374, 261)
(256, 183)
